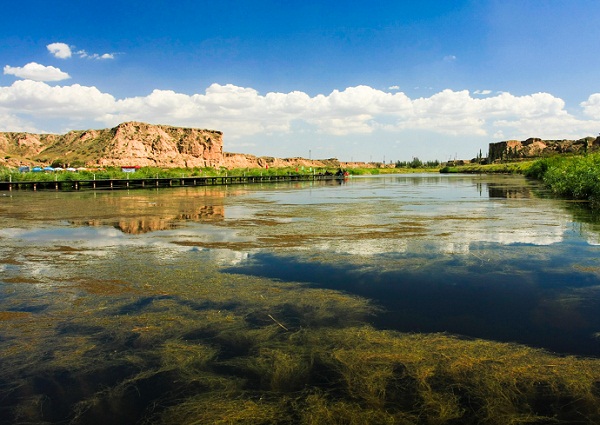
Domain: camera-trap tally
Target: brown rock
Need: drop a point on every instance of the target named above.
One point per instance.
(137, 144)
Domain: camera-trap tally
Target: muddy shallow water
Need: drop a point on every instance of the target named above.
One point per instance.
(101, 290)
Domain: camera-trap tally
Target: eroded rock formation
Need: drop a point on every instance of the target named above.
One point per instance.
(130, 143)
(534, 147)
(136, 144)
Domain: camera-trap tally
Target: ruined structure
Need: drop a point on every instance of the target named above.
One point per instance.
(534, 148)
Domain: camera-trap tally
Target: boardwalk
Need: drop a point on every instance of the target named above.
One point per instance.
(136, 183)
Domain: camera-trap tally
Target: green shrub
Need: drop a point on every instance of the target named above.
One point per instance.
(576, 177)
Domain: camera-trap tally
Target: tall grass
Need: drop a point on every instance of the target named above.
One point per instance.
(576, 177)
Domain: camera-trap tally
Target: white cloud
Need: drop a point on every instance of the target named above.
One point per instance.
(10, 122)
(35, 71)
(482, 92)
(242, 112)
(39, 100)
(394, 88)
(449, 58)
(591, 107)
(59, 50)
(64, 51)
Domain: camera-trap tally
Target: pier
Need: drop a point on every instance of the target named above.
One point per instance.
(138, 183)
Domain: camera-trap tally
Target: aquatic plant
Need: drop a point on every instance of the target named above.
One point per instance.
(109, 336)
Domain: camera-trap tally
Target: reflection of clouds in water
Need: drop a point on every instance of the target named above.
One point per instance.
(227, 257)
(534, 236)
(592, 234)
(504, 223)
(363, 247)
(47, 246)
(61, 235)
(450, 247)
(204, 233)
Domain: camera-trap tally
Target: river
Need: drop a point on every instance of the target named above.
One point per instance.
(98, 287)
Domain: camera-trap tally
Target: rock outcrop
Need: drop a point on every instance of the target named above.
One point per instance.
(534, 148)
(130, 143)
(136, 144)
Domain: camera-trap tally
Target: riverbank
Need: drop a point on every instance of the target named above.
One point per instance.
(117, 173)
(520, 167)
(568, 176)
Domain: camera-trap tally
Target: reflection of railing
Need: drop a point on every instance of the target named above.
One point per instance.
(132, 183)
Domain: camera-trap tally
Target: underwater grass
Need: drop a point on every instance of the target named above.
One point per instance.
(180, 341)
(172, 363)
(367, 376)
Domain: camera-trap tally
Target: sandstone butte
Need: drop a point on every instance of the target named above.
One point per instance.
(135, 144)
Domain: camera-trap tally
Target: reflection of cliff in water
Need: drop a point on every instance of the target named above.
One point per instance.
(139, 225)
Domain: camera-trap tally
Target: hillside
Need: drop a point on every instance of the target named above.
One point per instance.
(130, 143)
(135, 143)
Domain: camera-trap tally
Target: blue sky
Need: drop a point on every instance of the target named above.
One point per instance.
(354, 80)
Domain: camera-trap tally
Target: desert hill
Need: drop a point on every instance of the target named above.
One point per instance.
(134, 143)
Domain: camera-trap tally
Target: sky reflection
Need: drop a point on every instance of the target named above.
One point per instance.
(481, 256)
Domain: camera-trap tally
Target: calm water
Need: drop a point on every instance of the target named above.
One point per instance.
(104, 278)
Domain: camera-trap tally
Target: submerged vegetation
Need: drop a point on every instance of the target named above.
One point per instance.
(173, 343)
(142, 334)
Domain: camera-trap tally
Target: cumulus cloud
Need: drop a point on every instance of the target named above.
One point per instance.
(59, 50)
(37, 99)
(591, 107)
(10, 122)
(35, 71)
(482, 92)
(361, 110)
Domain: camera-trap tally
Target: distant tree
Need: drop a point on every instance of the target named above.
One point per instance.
(416, 163)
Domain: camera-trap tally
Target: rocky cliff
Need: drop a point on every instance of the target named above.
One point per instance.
(534, 147)
(130, 143)
(136, 143)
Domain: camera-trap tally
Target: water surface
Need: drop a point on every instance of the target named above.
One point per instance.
(106, 283)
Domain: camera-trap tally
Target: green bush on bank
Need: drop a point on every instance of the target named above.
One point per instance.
(503, 168)
(576, 177)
